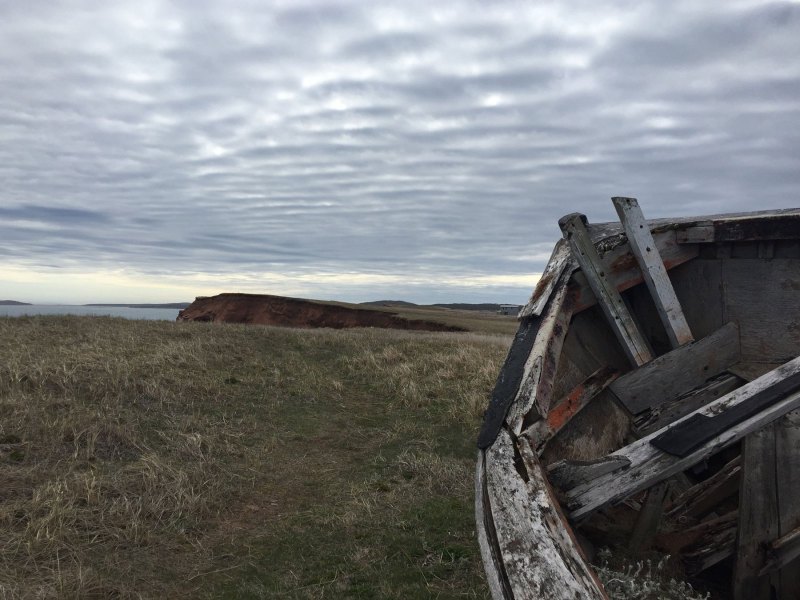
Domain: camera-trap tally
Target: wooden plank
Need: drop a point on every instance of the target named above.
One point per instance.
(559, 261)
(649, 518)
(649, 465)
(701, 541)
(715, 546)
(621, 268)
(567, 474)
(583, 250)
(704, 496)
(532, 400)
(735, 228)
(539, 555)
(696, 430)
(668, 412)
(758, 516)
(672, 374)
(782, 552)
(566, 408)
(700, 233)
(487, 537)
(749, 370)
(761, 295)
(699, 287)
(508, 381)
(655, 275)
(787, 475)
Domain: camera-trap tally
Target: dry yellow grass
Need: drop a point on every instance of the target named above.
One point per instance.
(148, 460)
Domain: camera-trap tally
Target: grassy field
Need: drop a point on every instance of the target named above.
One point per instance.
(149, 459)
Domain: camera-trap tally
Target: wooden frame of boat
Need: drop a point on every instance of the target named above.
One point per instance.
(650, 399)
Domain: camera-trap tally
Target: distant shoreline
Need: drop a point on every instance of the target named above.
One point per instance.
(178, 305)
(14, 303)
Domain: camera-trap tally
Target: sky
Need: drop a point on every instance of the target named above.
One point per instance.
(156, 151)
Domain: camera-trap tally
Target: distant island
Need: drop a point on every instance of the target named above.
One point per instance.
(14, 303)
(179, 305)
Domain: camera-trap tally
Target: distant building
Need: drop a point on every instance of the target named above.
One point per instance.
(509, 309)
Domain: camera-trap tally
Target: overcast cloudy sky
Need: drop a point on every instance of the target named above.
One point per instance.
(154, 151)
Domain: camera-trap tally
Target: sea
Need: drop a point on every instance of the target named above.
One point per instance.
(154, 314)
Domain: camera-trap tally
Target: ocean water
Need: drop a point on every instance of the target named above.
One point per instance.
(156, 314)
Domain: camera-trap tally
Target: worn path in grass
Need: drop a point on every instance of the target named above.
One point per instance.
(148, 459)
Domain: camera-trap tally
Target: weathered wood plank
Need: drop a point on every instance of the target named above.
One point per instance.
(540, 557)
(781, 552)
(736, 228)
(674, 373)
(701, 542)
(655, 275)
(561, 412)
(566, 474)
(559, 261)
(487, 537)
(749, 370)
(787, 469)
(696, 430)
(672, 410)
(508, 381)
(706, 495)
(649, 518)
(583, 250)
(621, 268)
(700, 233)
(761, 295)
(715, 546)
(649, 465)
(699, 287)
(534, 394)
(758, 516)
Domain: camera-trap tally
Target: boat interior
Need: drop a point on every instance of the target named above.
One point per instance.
(656, 384)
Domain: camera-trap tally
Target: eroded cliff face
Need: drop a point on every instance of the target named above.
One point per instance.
(294, 312)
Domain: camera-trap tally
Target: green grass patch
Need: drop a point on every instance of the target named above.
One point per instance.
(148, 459)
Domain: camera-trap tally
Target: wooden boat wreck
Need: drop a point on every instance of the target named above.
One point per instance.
(650, 401)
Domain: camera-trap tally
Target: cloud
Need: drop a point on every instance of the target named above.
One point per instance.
(431, 144)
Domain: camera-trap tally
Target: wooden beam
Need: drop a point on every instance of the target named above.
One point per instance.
(655, 275)
(649, 518)
(649, 465)
(672, 374)
(561, 412)
(623, 272)
(619, 317)
(670, 411)
(758, 516)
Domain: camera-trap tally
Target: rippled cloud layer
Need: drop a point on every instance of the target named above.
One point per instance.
(362, 150)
